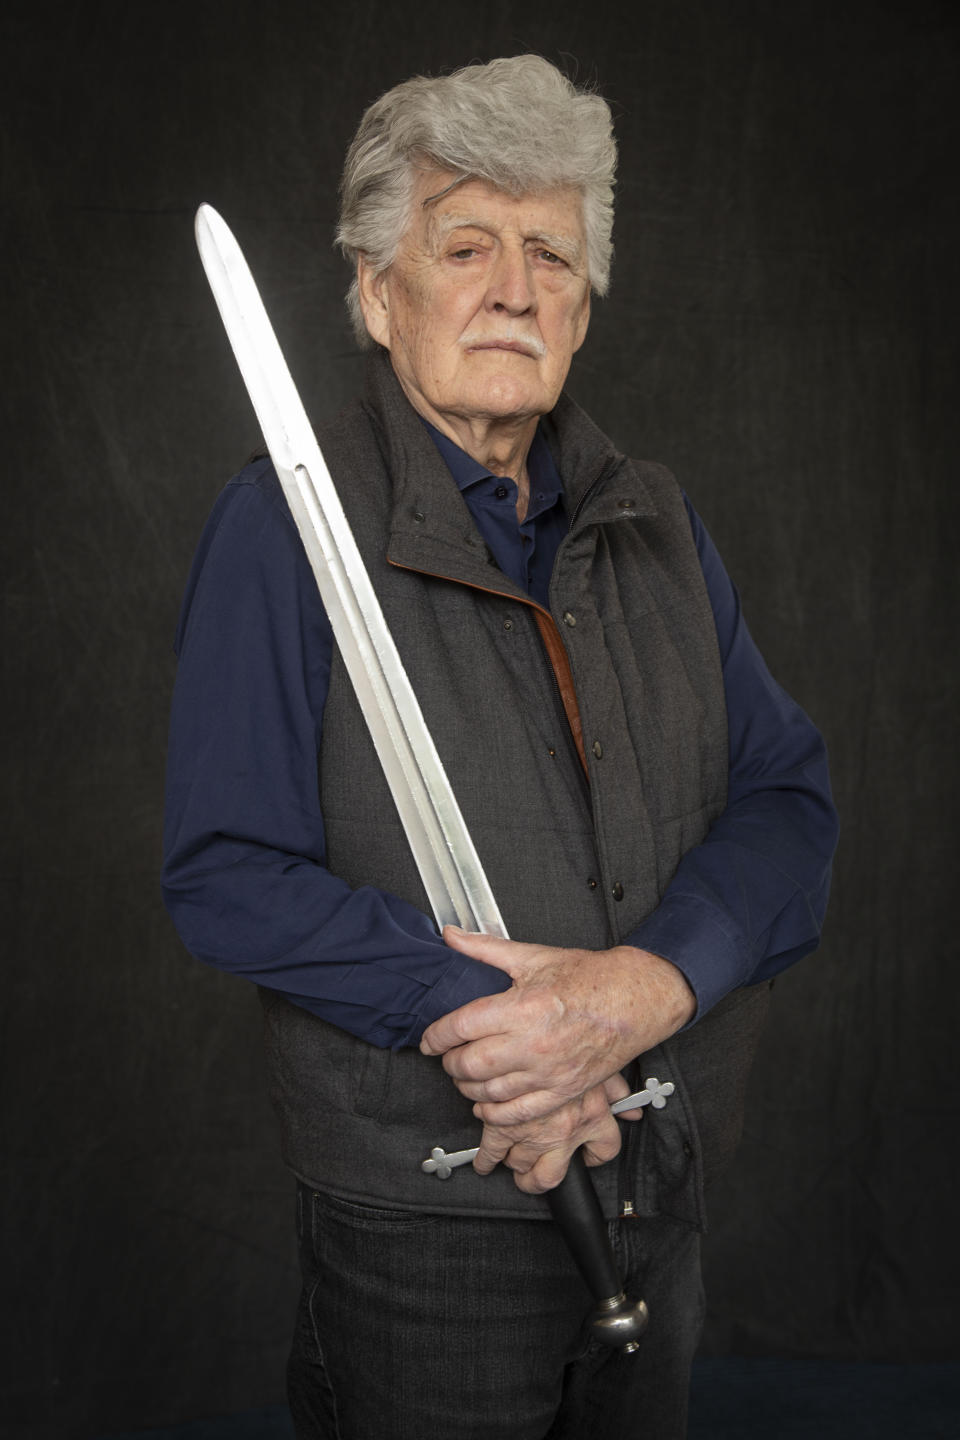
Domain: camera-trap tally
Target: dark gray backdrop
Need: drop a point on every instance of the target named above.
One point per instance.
(780, 331)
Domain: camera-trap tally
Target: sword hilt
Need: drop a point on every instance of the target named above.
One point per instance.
(616, 1321)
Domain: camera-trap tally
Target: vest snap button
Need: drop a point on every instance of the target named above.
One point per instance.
(569, 619)
(617, 891)
(597, 749)
(419, 516)
(508, 624)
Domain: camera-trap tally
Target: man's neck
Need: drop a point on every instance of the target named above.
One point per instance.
(500, 446)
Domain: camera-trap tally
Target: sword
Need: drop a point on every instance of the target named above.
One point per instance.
(453, 877)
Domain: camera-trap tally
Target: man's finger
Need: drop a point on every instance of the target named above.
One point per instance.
(494, 1147)
(471, 1022)
(498, 1090)
(599, 1152)
(488, 1060)
(546, 1174)
(617, 1088)
(532, 1105)
(516, 957)
(551, 1167)
(491, 949)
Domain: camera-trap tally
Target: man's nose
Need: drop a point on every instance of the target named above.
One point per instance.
(511, 284)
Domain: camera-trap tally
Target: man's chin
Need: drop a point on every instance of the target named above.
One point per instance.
(505, 400)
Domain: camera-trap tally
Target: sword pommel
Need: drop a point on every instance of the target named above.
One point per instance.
(616, 1321)
(619, 1323)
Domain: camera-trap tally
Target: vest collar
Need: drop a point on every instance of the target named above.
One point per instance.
(431, 526)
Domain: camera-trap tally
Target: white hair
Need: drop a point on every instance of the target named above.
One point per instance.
(517, 123)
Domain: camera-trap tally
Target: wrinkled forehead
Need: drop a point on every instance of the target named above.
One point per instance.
(443, 205)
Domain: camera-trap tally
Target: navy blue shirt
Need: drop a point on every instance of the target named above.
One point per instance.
(244, 877)
(524, 551)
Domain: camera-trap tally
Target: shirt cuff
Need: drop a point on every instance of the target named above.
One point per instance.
(714, 959)
(464, 979)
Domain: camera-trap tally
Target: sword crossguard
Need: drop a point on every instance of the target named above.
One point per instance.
(443, 1165)
(653, 1094)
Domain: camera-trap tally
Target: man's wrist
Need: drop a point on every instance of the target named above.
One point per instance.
(673, 995)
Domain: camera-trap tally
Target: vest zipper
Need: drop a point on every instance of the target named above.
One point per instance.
(628, 1159)
(607, 469)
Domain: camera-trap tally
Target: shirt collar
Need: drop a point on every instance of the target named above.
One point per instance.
(545, 483)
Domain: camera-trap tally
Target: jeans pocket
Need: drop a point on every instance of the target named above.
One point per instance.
(373, 1219)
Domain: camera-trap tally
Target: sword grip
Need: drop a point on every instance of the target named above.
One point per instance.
(616, 1322)
(576, 1210)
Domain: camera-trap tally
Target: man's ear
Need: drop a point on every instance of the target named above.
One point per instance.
(373, 290)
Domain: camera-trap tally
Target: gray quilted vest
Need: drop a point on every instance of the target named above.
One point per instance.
(579, 836)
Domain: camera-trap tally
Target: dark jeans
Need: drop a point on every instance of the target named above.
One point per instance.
(435, 1327)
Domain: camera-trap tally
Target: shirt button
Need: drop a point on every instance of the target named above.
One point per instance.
(508, 624)
(569, 619)
(617, 891)
(597, 749)
(419, 516)
(551, 752)
(501, 492)
(591, 883)
(627, 504)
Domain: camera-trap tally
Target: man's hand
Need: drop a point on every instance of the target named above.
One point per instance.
(571, 1019)
(539, 1151)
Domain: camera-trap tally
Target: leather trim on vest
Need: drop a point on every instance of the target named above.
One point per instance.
(552, 643)
(557, 655)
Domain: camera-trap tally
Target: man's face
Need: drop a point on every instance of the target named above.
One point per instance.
(486, 302)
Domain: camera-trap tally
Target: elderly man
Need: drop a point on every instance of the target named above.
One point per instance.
(653, 812)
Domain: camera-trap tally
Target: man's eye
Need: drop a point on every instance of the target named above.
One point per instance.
(464, 253)
(551, 257)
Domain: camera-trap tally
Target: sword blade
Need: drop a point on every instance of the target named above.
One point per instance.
(454, 879)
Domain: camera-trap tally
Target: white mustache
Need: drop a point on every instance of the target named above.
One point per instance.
(532, 344)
